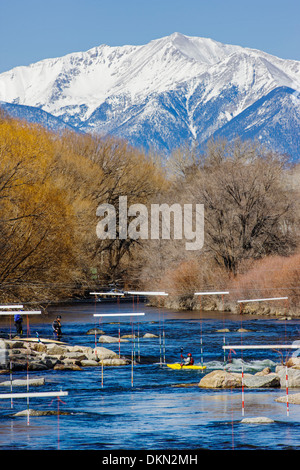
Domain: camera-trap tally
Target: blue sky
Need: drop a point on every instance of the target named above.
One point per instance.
(32, 30)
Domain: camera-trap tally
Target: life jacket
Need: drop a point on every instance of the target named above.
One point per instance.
(56, 325)
(189, 361)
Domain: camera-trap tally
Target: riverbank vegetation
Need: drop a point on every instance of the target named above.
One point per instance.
(51, 186)
(251, 200)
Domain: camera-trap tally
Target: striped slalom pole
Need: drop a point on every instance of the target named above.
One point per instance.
(21, 312)
(145, 293)
(261, 300)
(243, 396)
(117, 314)
(160, 349)
(212, 293)
(10, 376)
(287, 391)
(33, 394)
(132, 367)
(130, 314)
(4, 307)
(222, 293)
(262, 346)
(121, 294)
(139, 354)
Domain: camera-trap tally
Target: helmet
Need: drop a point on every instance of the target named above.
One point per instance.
(189, 354)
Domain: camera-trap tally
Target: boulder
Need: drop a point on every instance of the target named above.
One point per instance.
(3, 354)
(77, 356)
(40, 356)
(15, 343)
(265, 371)
(4, 344)
(221, 379)
(89, 363)
(293, 377)
(94, 331)
(31, 412)
(110, 339)
(37, 365)
(224, 379)
(50, 361)
(262, 381)
(39, 347)
(116, 362)
(69, 362)
(294, 399)
(104, 353)
(67, 367)
(293, 362)
(55, 349)
(81, 349)
(258, 420)
(24, 382)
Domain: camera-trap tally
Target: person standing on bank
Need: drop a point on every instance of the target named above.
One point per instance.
(18, 320)
(56, 327)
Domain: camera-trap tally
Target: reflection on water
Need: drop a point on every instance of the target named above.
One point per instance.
(154, 412)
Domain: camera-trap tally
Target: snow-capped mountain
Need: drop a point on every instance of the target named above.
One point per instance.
(173, 90)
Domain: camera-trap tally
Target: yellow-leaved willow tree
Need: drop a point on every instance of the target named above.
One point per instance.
(36, 220)
(50, 187)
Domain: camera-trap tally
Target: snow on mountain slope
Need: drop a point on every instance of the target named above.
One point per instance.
(274, 120)
(35, 115)
(170, 90)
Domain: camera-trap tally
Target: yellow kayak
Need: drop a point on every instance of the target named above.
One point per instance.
(178, 366)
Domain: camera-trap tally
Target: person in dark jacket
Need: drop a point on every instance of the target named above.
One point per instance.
(56, 327)
(18, 320)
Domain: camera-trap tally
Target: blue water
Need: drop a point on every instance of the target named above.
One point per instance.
(143, 408)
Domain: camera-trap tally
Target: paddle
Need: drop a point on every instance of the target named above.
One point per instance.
(182, 358)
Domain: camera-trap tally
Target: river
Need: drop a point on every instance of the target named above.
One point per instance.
(142, 407)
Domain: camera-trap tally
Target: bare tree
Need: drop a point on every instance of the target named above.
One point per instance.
(248, 211)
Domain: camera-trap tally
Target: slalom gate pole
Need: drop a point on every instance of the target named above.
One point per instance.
(243, 396)
(287, 391)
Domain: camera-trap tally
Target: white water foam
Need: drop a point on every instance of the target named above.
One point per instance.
(237, 365)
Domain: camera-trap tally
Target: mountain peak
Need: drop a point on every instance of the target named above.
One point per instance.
(202, 50)
(174, 89)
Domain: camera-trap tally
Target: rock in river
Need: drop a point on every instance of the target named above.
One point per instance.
(221, 379)
(110, 339)
(33, 355)
(257, 420)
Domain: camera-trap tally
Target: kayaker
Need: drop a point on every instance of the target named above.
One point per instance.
(189, 361)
